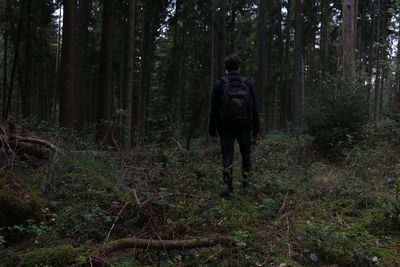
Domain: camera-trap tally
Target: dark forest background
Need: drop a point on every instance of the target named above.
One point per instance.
(141, 71)
(105, 158)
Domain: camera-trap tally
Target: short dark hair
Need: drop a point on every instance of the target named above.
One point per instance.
(232, 62)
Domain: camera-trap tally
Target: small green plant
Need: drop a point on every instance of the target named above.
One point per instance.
(392, 208)
(332, 246)
(31, 228)
(2, 240)
(335, 116)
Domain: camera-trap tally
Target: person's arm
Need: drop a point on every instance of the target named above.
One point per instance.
(256, 119)
(214, 109)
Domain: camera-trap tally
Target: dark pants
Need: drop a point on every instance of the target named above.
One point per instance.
(227, 139)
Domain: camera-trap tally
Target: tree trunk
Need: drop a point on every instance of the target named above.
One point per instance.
(105, 102)
(5, 57)
(81, 94)
(26, 89)
(144, 74)
(220, 38)
(297, 94)
(17, 42)
(396, 99)
(348, 37)
(129, 80)
(262, 66)
(58, 60)
(285, 94)
(377, 57)
(324, 43)
(67, 65)
(232, 28)
(176, 70)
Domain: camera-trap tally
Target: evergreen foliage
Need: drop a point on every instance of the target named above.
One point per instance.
(335, 116)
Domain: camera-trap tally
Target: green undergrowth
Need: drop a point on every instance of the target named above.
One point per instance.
(300, 210)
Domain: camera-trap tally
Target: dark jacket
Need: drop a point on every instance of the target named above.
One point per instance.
(217, 93)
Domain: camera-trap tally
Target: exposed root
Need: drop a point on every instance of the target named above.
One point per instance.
(30, 149)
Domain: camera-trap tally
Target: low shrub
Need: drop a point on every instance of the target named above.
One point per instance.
(335, 116)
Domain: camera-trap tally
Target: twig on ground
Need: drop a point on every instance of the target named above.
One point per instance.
(115, 220)
(178, 144)
(136, 197)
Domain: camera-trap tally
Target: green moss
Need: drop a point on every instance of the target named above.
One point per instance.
(8, 258)
(58, 256)
(15, 211)
(388, 257)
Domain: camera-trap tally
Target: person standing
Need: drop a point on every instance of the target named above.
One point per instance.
(234, 115)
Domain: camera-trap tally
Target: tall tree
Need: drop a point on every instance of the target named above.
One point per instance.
(81, 94)
(5, 55)
(130, 67)
(144, 73)
(105, 101)
(396, 98)
(26, 76)
(286, 85)
(153, 14)
(218, 9)
(324, 41)
(262, 65)
(176, 70)
(298, 83)
(219, 25)
(348, 7)
(67, 64)
(17, 41)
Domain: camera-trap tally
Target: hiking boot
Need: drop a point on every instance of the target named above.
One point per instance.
(227, 178)
(246, 177)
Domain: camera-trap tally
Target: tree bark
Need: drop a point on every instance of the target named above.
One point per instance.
(58, 60)
(176, 70)
(396, 98)
(26, 88)
(324, 43)
(285, 94)
(67, 64)
(7, 106)
(348, 44)
(219, 32)
(297, 93)
(105, 102)
(5, 57)
(81, 94)
(129, 80)
(377, 57)
(262, 66)
(144, 74)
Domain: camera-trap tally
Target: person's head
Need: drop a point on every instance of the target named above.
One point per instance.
(232, 62)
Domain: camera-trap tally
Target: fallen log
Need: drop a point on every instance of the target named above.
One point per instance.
(22, 146)
(33, 140)
(98, 256)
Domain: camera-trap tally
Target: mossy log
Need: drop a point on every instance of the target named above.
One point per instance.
(27, 145)
(98, 256)
(17, 204)
(63, 255)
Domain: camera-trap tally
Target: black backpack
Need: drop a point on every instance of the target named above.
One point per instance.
(236, 103)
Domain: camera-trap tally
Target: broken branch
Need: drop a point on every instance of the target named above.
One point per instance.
(100, 254)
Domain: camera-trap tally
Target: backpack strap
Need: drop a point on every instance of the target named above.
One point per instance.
(245, 80)
(225, 79)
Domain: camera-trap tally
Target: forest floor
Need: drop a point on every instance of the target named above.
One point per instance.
(300, 211)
